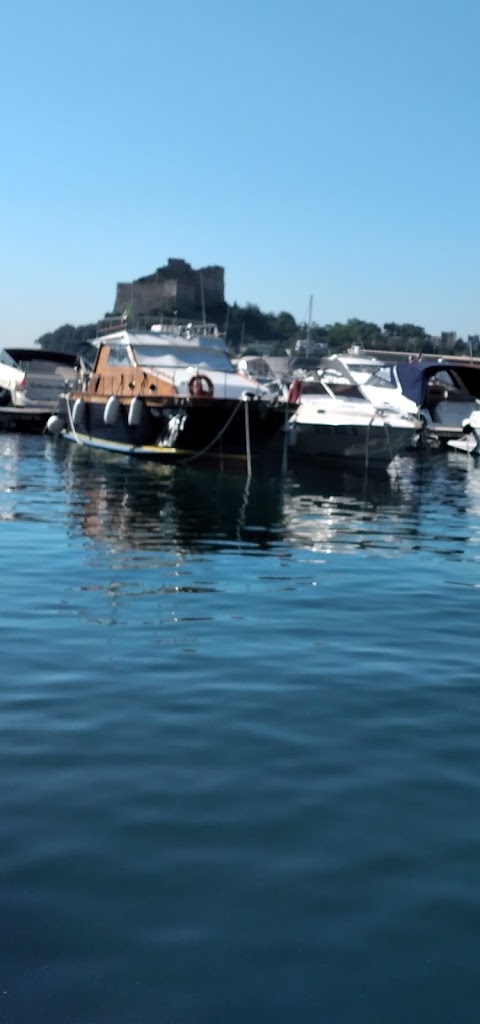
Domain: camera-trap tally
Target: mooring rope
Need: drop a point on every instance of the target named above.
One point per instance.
(378, 412)
(72, 425)
(247, 438)
(197, 455)
(285, 440)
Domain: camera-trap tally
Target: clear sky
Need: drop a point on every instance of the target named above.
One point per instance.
(325, 147)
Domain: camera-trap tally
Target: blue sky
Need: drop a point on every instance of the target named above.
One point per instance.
(309, 147)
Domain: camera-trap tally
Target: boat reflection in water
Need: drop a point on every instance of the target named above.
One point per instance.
(131, 505)
(408, 511)
(127, 505)
(148, 506)
(347, 511)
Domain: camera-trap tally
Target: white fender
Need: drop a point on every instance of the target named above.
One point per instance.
(78, 413)
(55, 424)
(135, 411)
(111, 411)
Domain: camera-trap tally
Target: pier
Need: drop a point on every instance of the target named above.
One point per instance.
(29, 419)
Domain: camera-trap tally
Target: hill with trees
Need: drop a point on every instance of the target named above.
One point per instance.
(247, 328)
(69, 339)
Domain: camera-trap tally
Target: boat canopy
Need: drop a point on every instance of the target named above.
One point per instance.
(414, 378)
(17, 356)
(176, 355)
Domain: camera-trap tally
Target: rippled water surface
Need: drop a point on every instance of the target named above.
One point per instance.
(240, 752)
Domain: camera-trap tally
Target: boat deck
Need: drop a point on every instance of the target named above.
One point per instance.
(444, 431)
(28, 420)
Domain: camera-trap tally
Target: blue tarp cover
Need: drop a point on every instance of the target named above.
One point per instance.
(414, 377)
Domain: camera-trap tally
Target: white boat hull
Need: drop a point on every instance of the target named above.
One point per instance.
(375, 444)
(350, 430)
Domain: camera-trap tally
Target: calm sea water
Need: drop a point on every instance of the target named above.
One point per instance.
(240, 751)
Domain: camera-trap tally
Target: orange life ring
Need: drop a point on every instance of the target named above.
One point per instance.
(200, 386)
(294, 390)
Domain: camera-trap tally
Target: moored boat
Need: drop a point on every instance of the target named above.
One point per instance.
(334, 421)
(169, 391)
(442, 393)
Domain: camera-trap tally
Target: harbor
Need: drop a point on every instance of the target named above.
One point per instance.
(239, 514)
(245, 595)
(239, 732)
(168, 389)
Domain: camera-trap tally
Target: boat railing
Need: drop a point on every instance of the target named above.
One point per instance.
(181, 328)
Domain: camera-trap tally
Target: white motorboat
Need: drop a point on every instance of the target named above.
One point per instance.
(443, 394)
(35, 376)
(469, 440)
(334, 421)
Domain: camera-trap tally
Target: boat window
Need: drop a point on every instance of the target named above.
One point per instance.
(48, 367)
(340, 385)
(256, 366)
(118, 356)
(359, 367)
(313, 387)
(382, 378)
(6, 358)
(344, 389)
(444, 379)
(172, 356)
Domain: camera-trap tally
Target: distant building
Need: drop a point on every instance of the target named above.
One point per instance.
(447, 341)
(175, 289)
(317, 349)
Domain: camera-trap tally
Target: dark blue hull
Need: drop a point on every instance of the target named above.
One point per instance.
(178, 429)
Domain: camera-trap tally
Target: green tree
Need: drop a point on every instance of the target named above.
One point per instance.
(75, 340)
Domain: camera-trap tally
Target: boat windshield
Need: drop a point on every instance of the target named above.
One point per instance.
(313, 387)
(340, 386)
(173, 357)
(449, 382)
(356, 367)
(382, 378)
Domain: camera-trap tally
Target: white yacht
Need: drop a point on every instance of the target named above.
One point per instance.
(334, 420)
(443, 394)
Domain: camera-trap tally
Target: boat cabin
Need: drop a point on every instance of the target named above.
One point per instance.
(165, 358)
(170, 359)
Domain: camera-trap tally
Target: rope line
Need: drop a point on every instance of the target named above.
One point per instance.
(72, 425)
(197, 455)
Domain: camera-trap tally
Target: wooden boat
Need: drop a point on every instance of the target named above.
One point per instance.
(169, 392)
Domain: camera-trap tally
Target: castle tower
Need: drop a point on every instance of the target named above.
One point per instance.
(174, 289)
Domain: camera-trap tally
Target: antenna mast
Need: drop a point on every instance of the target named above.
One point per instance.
(202, 296)
(309, 325)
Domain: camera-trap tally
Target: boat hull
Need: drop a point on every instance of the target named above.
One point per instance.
(176, 430)
(372, 443)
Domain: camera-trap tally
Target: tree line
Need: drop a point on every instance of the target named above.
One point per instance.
(247, 327)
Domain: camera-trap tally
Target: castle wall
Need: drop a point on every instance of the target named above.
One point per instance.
(177, 285)
(212, 280)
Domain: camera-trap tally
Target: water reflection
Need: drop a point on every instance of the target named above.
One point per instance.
(409, 510)
(125, 504)
(132, 505)
(345, 510)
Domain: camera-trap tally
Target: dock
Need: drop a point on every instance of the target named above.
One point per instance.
(29, 419)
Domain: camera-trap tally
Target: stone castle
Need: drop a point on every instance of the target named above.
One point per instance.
(176, 290)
